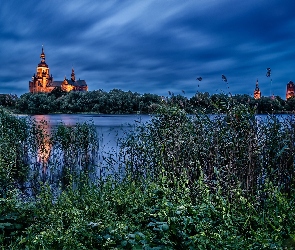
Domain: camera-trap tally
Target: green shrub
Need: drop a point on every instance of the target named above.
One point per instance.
(190, 182)
(14, 165)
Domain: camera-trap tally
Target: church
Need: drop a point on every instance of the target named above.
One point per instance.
(290, 93)
(42, 81)
(257, 92)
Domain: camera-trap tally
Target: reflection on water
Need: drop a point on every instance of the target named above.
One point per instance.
(97, 120)
(48, 159)
(109, 128)
(44, 145)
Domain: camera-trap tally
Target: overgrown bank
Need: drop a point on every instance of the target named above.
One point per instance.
(185, 182)
(120, 102)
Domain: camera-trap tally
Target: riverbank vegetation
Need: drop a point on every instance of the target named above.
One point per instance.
(119, 102)
(182, 182)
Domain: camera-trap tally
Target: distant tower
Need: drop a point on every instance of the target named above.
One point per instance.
(42, 79)
(73, 75)
(257, 93)
(290, 90)
(43, 82)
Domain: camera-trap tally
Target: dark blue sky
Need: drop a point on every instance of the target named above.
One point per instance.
(152, 46)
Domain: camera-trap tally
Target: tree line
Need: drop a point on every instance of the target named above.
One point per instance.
(118, 101)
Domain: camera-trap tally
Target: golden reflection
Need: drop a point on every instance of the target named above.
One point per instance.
(44, 143)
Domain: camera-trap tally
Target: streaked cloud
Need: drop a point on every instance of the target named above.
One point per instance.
(150, 46)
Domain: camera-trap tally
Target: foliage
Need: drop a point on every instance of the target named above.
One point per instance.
(126, 216)
(233, 150)
(8, 100)
(290, 104)
(117, 101)
(99, 101)
(190, 182)
(13, 151)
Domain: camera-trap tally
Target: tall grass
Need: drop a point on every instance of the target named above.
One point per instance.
(33, 154)
(229, 151)
(14, 165)
(224, 181)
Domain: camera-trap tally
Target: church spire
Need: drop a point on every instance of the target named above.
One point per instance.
(42, 56)
(73, 75)
(257, 93)
(257, 88)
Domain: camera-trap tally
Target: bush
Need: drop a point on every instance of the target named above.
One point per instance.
(189, 182)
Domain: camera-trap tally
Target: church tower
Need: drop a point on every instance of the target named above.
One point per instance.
(43, 82)
(73, 76)
(42, 79)
(290, 90)
(257, 93)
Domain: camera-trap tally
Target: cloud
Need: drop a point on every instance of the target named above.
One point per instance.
(150, 46)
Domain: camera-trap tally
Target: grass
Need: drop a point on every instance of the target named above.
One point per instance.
(185, 182)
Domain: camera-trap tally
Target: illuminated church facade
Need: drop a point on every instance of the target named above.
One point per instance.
(257, 92)
(290, 92)
(42, 81)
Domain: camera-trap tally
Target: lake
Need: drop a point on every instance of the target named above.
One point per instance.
(109, 128)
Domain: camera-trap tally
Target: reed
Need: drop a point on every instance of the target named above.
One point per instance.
(224, 181)
(232, 150)
(34, 154)
(14, 166)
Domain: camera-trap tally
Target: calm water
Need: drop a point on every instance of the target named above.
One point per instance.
(100, 121)
(110, 128)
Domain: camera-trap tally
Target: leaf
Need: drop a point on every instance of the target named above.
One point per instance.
(165, 227)
(281, 151)
(5, 225)
(124, 243)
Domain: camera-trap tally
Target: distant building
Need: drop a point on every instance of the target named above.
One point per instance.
(43, 81)
(257, 92)
(290, 90)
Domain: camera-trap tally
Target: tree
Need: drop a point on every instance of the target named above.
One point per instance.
(58, 92)
(290, 104)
